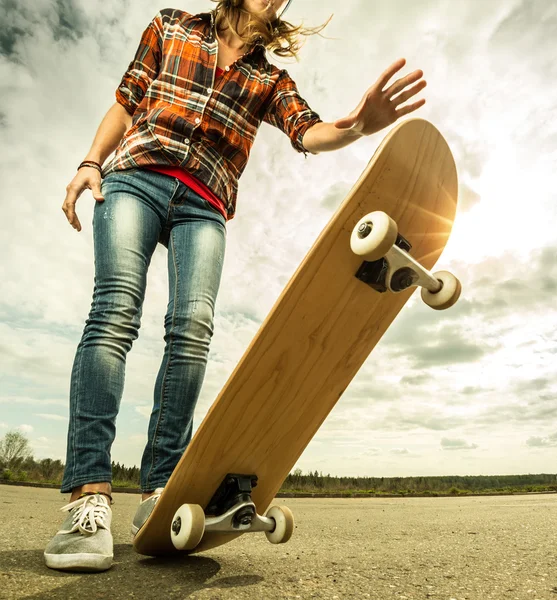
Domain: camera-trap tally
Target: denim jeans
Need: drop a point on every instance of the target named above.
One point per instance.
(143, 208)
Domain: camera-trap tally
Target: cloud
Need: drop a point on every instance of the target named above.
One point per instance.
(452, 444)
(419, 379)
(424, 419)
(539, 442)
(144, 410)
(399, 451)
(471, 390)
(372, 452)
(51, 416)
(519, 412)
(538, 384)
(26, 428)
(335, 195)
(467, 198)
(517, 37)
(23, 399)
(513, 282)
(454, 349)
(431, 338)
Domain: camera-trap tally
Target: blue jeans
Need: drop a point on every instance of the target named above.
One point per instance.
(142, 208)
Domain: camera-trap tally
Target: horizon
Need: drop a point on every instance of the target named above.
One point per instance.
(310, 472)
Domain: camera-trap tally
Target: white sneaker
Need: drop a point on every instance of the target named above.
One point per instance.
(84, 542)
(144, 509)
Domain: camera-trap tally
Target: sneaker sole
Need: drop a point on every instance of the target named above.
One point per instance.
(78, 562)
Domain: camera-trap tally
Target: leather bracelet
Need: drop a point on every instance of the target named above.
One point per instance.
(91, 163)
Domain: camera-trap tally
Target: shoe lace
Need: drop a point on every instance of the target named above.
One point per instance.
(91, 514)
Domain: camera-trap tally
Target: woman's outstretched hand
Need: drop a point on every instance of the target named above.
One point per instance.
(379, 107)
(87, 178)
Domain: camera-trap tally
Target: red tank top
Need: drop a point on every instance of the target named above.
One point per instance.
(192, 182)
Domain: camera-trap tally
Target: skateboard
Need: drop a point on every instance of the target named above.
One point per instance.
(375, 251)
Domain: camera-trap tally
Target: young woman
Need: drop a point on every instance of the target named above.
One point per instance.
(186, 114)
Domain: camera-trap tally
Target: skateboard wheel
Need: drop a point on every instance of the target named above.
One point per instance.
(447, 295)
(188, 526)
(373, 236)
(284, 524)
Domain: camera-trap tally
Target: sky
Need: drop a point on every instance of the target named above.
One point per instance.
(469, 391)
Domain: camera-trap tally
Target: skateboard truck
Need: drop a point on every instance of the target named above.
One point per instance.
(230, 510)
(388, 265)
(233, 509)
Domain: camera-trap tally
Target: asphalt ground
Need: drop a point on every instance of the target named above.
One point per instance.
(479, 548)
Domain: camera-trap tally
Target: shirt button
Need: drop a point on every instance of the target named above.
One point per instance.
(227, 68)
(186, 141)
(198, 120)
(210, 90)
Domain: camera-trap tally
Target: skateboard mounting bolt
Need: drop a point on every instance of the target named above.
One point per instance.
(403, 279)
(364, 230)
(177, 525)
(245, 516)
(406, 282)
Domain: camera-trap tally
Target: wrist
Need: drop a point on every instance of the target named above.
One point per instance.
(351, 134)
(94, 157)
(91, 164)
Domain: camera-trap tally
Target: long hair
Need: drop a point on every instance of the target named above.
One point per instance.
(279, 37)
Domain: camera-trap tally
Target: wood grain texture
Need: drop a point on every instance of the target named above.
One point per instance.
(317, 336)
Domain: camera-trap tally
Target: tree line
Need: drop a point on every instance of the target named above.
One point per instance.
(419, 485)
(18, 464)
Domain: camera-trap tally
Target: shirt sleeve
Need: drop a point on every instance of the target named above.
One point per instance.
(143, 68)
(288, 111)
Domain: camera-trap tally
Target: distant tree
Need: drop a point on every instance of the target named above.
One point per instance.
(14, 449)
(49, 469)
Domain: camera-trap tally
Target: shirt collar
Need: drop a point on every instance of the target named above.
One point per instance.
(211, 17)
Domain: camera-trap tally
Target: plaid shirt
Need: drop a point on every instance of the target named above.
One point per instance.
(184, 116)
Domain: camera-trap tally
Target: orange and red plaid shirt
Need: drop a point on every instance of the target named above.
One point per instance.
(183, 116)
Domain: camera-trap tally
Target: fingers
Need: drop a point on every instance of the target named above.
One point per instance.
(83, 180)
(69, 207)
(388, 74)
(401, 98)
(96, 189)
(399, 87)
(400, 84)
(410, 108)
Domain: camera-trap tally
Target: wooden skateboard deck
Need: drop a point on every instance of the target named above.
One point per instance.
(317, 336)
